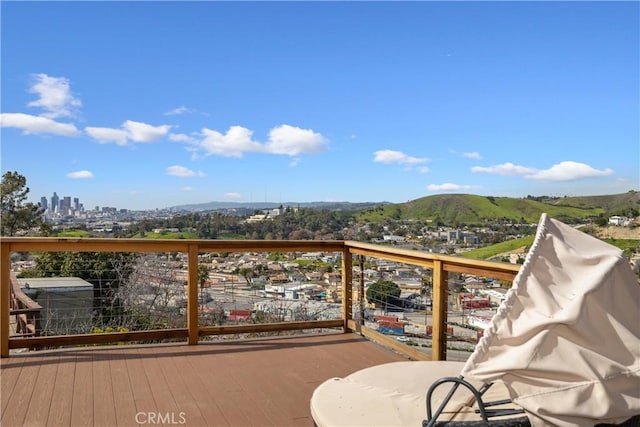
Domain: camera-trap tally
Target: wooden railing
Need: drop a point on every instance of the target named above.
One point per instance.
(440, 264)
(25, 310)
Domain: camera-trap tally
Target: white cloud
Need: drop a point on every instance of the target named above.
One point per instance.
(142, 132)
(292, 141)
(423, 169)
(80, 175)
(563, 171)
(238, 140)
(35, 124)
(187, 188)
(55, 96)
(392, 156)
(450, 187)
(507, 169)
(569, 171)
(472, 155)
(469, 154)
(234, 143)
(233, 196)
(129, 131)
(181, 171)
(178, 111)
(107, 135)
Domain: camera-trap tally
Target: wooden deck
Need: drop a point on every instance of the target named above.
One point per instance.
(257, 382)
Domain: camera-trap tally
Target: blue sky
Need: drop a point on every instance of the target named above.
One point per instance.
(146, 105)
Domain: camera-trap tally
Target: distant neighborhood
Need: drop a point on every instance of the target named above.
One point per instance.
(150, 290)
(247, 287)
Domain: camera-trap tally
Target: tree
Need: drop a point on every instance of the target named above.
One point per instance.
(203, 276)
(150, 295)
(17, 214)
(383, 292)
(248, 275)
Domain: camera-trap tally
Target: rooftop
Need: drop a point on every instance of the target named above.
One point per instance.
(54, 283)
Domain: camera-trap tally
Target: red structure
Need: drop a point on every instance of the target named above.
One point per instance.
(470, 301)
(239, 314)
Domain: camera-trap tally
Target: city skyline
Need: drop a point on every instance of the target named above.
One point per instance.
(319, 101)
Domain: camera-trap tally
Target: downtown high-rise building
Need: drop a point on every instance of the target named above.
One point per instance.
(62, 205)
(55, 200)
(65, 206)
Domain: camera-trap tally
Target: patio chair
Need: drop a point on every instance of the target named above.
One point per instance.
(563, 349)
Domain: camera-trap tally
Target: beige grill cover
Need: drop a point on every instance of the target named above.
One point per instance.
(566, 341)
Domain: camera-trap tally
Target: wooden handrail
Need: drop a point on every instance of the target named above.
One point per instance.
(496, 270)
(440, 264)
(22, 299)
(25, 310)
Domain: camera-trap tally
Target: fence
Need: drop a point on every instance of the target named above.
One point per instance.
(156, 290)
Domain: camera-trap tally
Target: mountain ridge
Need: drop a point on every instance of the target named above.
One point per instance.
(474, 209)
(460, 208)
(271, 205)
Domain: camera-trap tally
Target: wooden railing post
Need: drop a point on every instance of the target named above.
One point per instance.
(361, 296)
(439, 306)
(5, 284)
(192, 294)
(347, 288)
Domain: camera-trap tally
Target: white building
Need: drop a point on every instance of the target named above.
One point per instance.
(618, 220)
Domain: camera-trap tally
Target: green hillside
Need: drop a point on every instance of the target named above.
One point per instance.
(521, 244)
(612, 203)
(468, 209)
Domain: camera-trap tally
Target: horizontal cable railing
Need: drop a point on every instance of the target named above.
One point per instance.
(121, 290)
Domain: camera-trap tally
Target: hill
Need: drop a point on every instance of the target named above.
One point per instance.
(334, 206)
(459, 209)
(468, 209)
(625, 238)
(612, 202)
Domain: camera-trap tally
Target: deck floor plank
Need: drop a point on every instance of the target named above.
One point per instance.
(161, 386)
(9, 374)
(223, 390)
(40, 403)
(248, 382)
(103, 396)
(18, 403)
(278, 397)
(142, 393)
(125, 407)
(82, 404)
(253, 382)
(181, 384)
(207, 407)
(60, 406)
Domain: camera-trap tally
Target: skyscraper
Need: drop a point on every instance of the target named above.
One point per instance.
(66, 205)
(54, 202)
